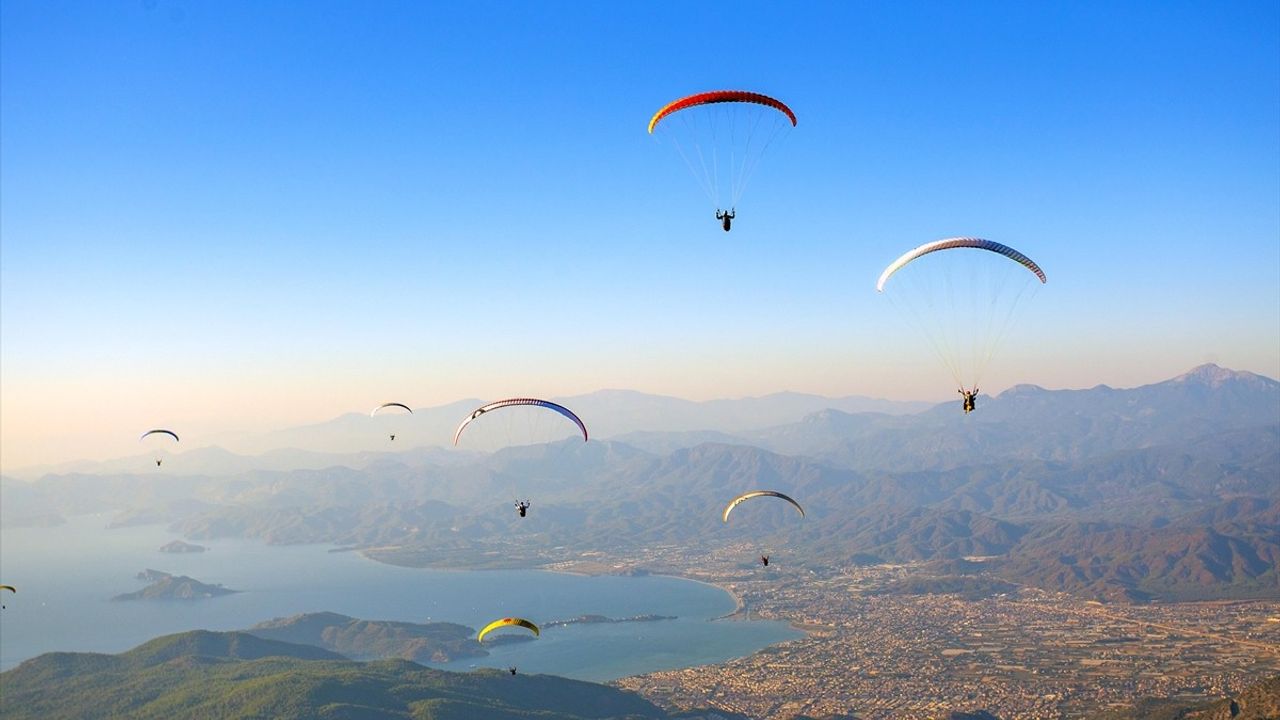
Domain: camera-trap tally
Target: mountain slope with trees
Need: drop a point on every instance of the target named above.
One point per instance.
(234, 676)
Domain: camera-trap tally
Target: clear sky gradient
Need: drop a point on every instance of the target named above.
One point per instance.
(223, 216)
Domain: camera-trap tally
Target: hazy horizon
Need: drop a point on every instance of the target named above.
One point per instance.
(126, 446)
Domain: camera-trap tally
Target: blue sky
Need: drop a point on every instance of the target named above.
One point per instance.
(237, 215)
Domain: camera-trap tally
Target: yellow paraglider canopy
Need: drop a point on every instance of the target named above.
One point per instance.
(505, 622)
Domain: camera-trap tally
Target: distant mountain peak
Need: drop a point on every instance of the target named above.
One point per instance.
(1023, 389)
(621, 394)
(614, 392)
(1215, 376)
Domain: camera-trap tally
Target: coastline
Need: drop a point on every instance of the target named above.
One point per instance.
(738, 603)
(738, 613)
(276, 583)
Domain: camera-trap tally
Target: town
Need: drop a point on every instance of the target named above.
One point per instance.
(1024, 654)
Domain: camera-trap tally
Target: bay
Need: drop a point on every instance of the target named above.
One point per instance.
(67, 574)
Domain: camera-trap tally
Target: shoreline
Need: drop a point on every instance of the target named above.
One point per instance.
(137, 546)
(736, 614)
(738, 603)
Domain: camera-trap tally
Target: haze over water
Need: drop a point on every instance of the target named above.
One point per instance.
(66, 576)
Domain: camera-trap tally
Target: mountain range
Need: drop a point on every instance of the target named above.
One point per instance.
(1166, 491)
(358, 440)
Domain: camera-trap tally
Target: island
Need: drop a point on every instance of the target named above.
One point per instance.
(178, 546)
(173, 587)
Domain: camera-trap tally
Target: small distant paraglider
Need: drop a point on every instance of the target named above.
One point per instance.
(764, 557)
(391, 407)
(11, 589)
(159, 439)
(534, 415)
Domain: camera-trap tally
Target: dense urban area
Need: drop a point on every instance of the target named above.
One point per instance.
(1023, 654)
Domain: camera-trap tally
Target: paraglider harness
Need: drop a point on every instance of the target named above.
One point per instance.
(522, 506)
(725, 217)
(970, 399)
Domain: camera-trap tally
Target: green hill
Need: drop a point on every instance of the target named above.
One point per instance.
(235, 675)
(374, 639)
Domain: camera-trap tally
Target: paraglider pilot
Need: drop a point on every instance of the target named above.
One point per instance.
(726, 218)
(970, 398)
(522, 507)
(765, 559)
(512, 669)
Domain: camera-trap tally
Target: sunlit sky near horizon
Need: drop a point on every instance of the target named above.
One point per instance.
(238, 216)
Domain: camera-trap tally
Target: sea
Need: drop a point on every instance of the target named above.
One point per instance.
(66, 576)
